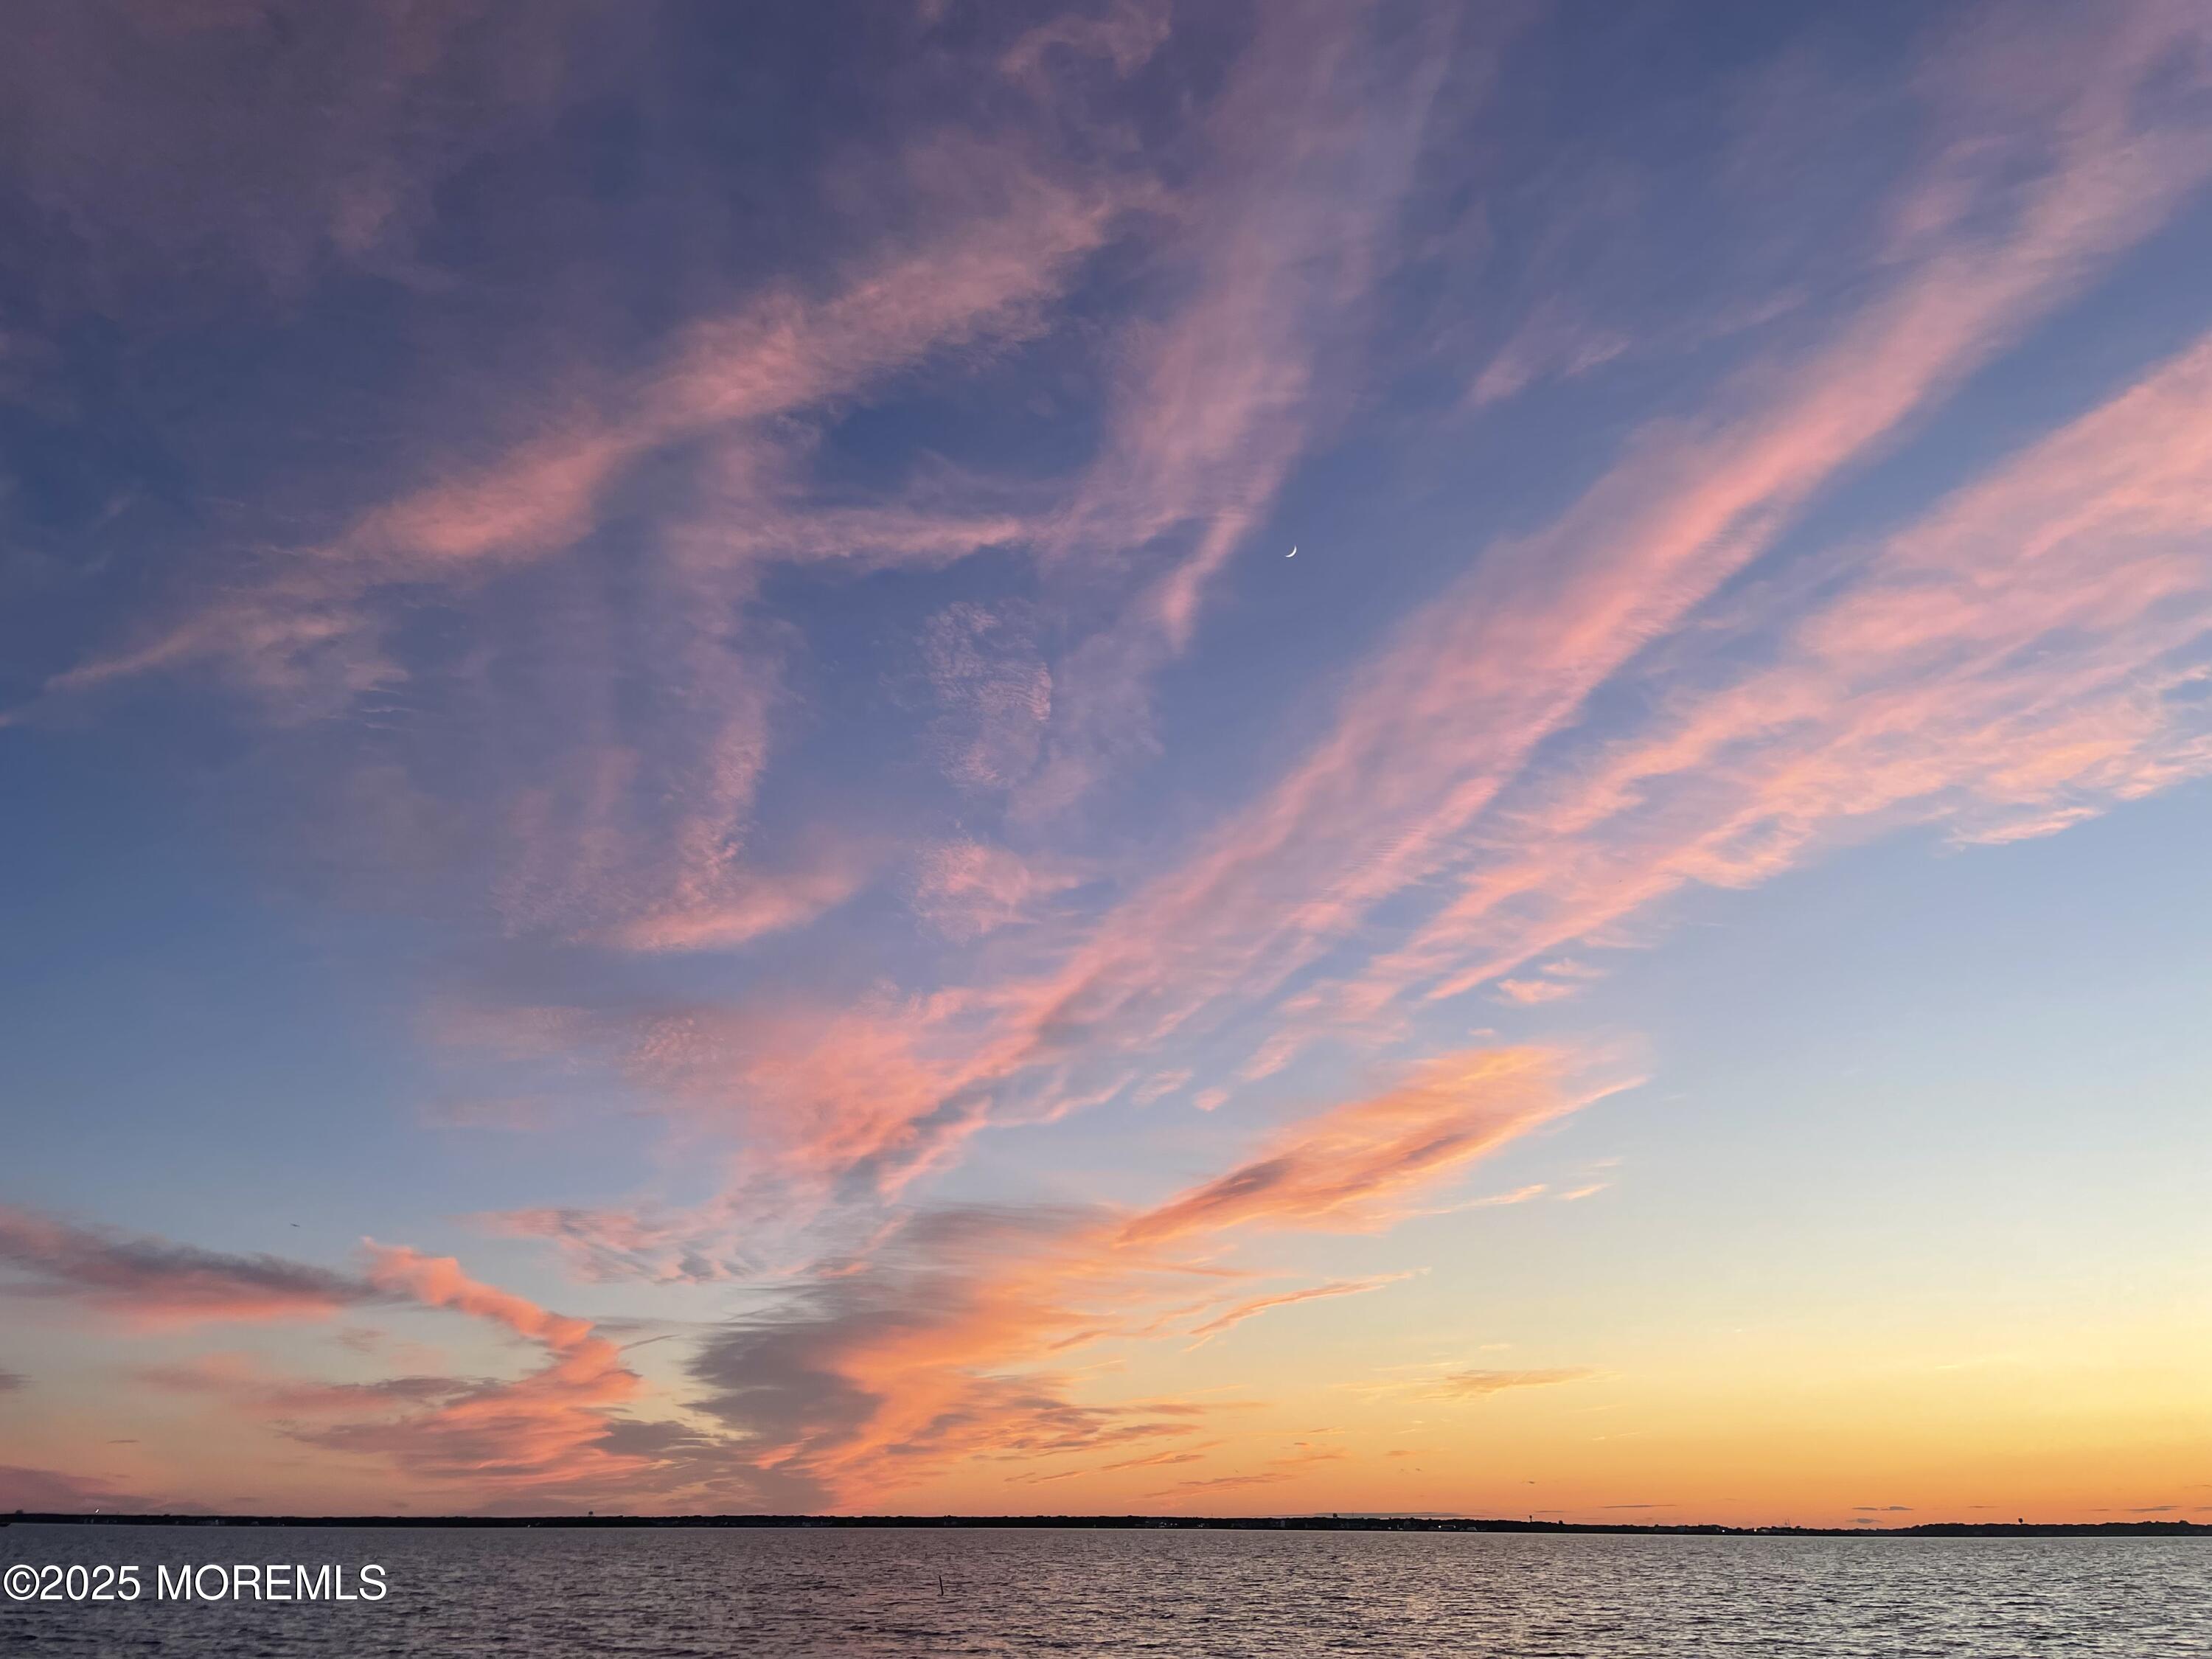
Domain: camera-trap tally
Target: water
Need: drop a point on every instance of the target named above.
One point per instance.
(569, 1595)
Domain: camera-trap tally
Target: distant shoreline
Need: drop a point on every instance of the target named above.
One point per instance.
(1145, 1523)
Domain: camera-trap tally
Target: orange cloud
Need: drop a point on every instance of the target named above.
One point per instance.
(1346, 1168)
(944, 1339)
(549, 1429)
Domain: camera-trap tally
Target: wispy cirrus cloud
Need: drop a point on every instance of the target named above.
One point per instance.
(2029, 654)
(1422, 784)
(969, 888)
(1480, 1384)
(780, 352)
(1284, 237)
(1260, 1304)
(607, 1245)
(1287, 1466)
(594, 819)
(114, 129)
(1430, 735)
(1446, 716)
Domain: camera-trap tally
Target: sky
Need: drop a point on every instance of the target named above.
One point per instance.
(1192, 758)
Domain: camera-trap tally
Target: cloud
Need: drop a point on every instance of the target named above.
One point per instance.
(1534, 1189)
(1349, 1167)
(608, 1245)
(1157, 1460)
(1279, 1469)
(545, 663)
(1310, 146)
(263, 146)
(1125, 32)
(438, 1282)
(1402, 792)
(527, 767)
(881, 1368)
(1419, 790)
(945, 1336)
(980, 271)
(150, 1282)
(653, 837)
(2027, 655)
(994, 689)
(759, 906)
(1549, 344)
(547, 1430)
(949, 1335)
(554, 1432)
(967, 888)
(238, 1381)
(1481, 1385)
(11, 1381)
(1244, 1310)
(1530, 991)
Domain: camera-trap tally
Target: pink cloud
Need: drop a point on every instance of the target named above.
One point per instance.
(1126, 33)
(1529, 992)
(179, 156)
(593, 821)
(994, 689)
(549, 1429)
(151, 1282)
(2016, 661)
(764, 904)
(1418, 785)
(1440, 723)
(1310, 147)
(1346, 1168)
(968, 888)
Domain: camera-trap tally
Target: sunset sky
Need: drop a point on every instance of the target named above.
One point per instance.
(679, 835)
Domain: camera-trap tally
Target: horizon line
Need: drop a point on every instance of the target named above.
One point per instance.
(2148, 1527)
